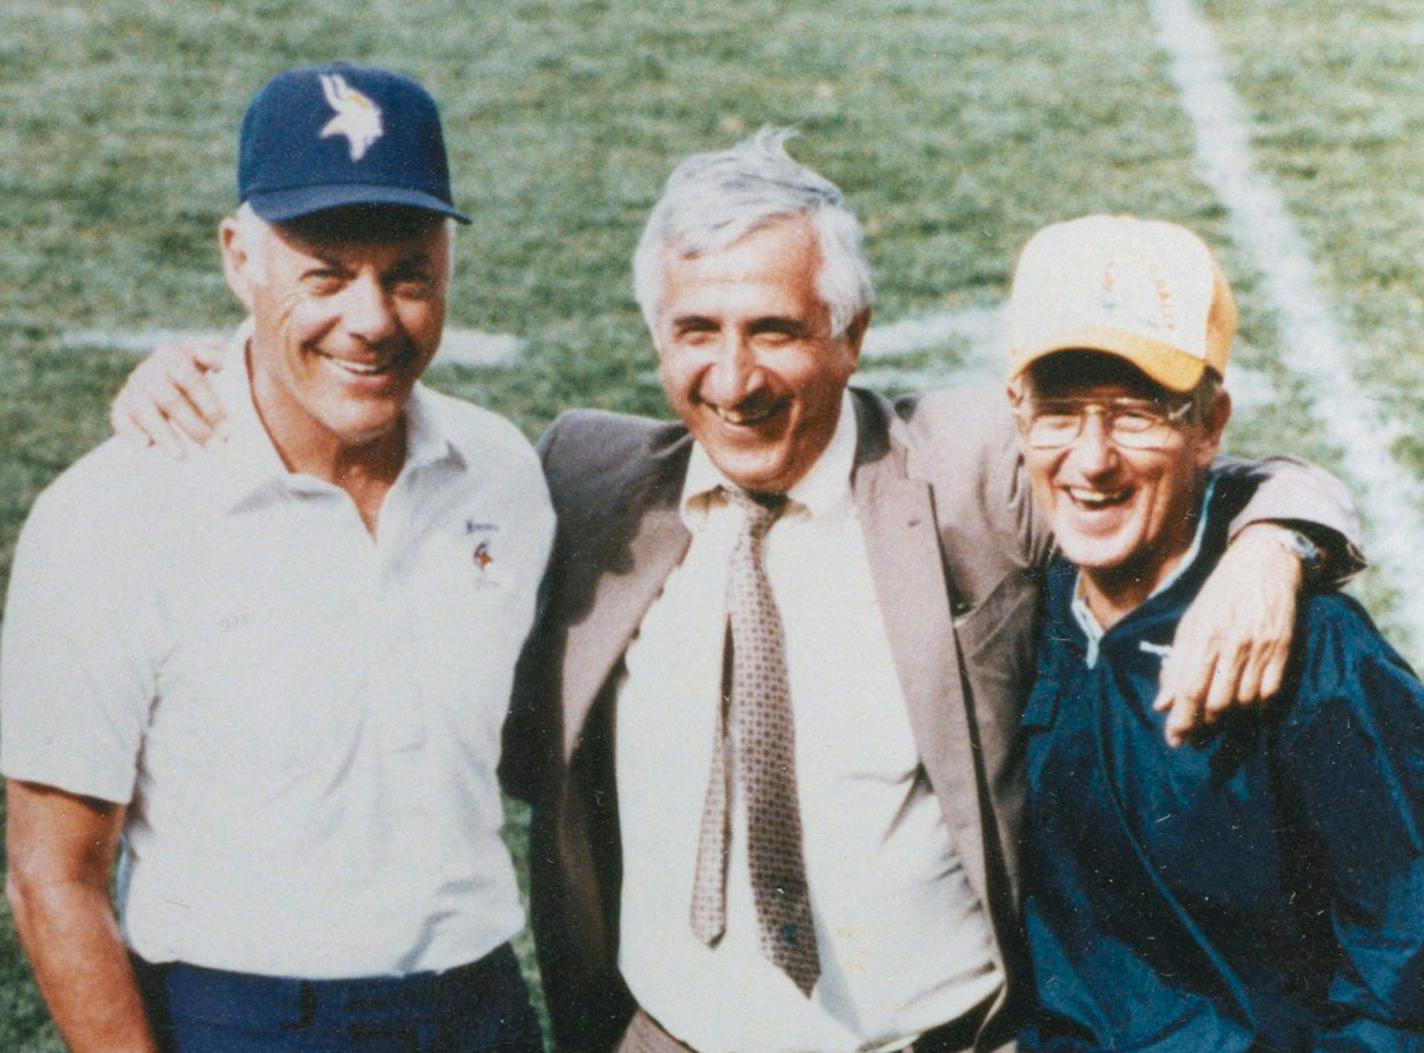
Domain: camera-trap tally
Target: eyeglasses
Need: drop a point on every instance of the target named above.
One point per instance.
(1134, 424)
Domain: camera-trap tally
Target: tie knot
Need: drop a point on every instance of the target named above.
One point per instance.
(761, 509)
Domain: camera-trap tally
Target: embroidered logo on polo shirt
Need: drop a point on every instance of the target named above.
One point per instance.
(480, 536)
(1160, 650)
(485, 568)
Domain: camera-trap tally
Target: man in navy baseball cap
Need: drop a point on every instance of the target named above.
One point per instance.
(322, 138)
(292, 717)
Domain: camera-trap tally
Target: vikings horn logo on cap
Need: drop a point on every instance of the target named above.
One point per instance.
(357, 117)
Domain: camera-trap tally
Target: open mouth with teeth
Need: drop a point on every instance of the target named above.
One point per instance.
(747, 416)
(1092, 500)
(357, 368)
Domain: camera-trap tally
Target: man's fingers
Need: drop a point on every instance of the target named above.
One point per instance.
(1182, 720)
(1166, 686)
(178, 409)
(190, 378)
(1264, 671)
(1273, 668)
(125, 427)
(1226, 674)
(1273, 673)
(1183, 688)
(1248, 686)
(148, 420)
(208, 353)
(168, 399)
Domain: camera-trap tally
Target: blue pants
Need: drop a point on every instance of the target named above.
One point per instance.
(478, 1008)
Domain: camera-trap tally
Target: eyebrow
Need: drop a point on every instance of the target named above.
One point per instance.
(319, 259)
(779, 324)
(418, 258)
(694, 321)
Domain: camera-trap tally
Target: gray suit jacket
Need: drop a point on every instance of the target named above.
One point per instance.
(956, 554)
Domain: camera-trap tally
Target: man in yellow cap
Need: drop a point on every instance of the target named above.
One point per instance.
(1264, 890)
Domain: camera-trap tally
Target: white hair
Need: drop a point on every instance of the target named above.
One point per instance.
(253, 230)
(712, 200)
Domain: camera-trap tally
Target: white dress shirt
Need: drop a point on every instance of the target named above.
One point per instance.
(905, 944)
(303, 720)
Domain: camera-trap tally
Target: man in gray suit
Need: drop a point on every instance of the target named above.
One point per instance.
(769, 716)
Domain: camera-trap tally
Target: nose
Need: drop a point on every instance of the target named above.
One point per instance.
(1093, 452)
(367, 311)
(733, 374)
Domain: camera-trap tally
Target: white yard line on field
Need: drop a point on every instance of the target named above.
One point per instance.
(982, 327)
(471, 348)
(1312, 344)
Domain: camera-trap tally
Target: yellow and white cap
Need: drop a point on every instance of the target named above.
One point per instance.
(1147, 291)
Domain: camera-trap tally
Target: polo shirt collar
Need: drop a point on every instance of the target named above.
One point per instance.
(249, 461)
(821, 489)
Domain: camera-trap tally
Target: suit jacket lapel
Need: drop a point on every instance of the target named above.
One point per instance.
(897, 518)
(624, 593)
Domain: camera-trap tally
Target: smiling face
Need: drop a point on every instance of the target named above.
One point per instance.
(747, 357)
(1124, 516)
(347, 315)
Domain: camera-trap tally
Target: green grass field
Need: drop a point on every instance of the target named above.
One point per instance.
(955, 129)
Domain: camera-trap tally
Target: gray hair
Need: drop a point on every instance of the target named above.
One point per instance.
(712, 200)
(253, 230)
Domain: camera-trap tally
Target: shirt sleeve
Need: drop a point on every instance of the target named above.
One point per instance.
(1352, 752)
(75, 683)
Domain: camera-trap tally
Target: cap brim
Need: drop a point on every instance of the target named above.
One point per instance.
(1173, 368)
(283, 206)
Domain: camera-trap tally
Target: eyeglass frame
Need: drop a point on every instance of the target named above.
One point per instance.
(1110, 410)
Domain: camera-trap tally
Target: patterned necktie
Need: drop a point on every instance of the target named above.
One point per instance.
(757, 711)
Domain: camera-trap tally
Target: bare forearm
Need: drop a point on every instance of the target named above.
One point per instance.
(71, 937)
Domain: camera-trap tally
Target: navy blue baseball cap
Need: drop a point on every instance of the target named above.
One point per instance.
(328, 137)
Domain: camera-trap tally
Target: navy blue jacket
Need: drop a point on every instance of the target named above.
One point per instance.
(1261, 891)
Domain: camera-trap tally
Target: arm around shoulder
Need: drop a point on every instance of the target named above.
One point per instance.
(1294, 493)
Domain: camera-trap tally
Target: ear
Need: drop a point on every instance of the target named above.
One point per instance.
(1217, 415)
(237, 262)
(855, 333)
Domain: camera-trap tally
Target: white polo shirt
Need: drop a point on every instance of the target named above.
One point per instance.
(303, 720)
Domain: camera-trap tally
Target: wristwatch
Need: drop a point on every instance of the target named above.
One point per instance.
(1298, 544)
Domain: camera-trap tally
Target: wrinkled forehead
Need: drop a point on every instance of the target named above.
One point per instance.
(770, 269)
(1092, 374)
